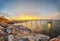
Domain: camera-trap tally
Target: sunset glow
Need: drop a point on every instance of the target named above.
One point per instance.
(27, 18)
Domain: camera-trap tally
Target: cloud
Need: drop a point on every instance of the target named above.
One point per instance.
(55, 16)
(39, 9)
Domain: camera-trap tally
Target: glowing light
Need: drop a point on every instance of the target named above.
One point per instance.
(49, 25)
(23, 18)
(27, 18)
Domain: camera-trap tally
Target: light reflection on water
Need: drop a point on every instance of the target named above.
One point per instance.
(41, 24)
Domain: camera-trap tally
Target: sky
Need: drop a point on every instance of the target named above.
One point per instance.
(38, 8)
